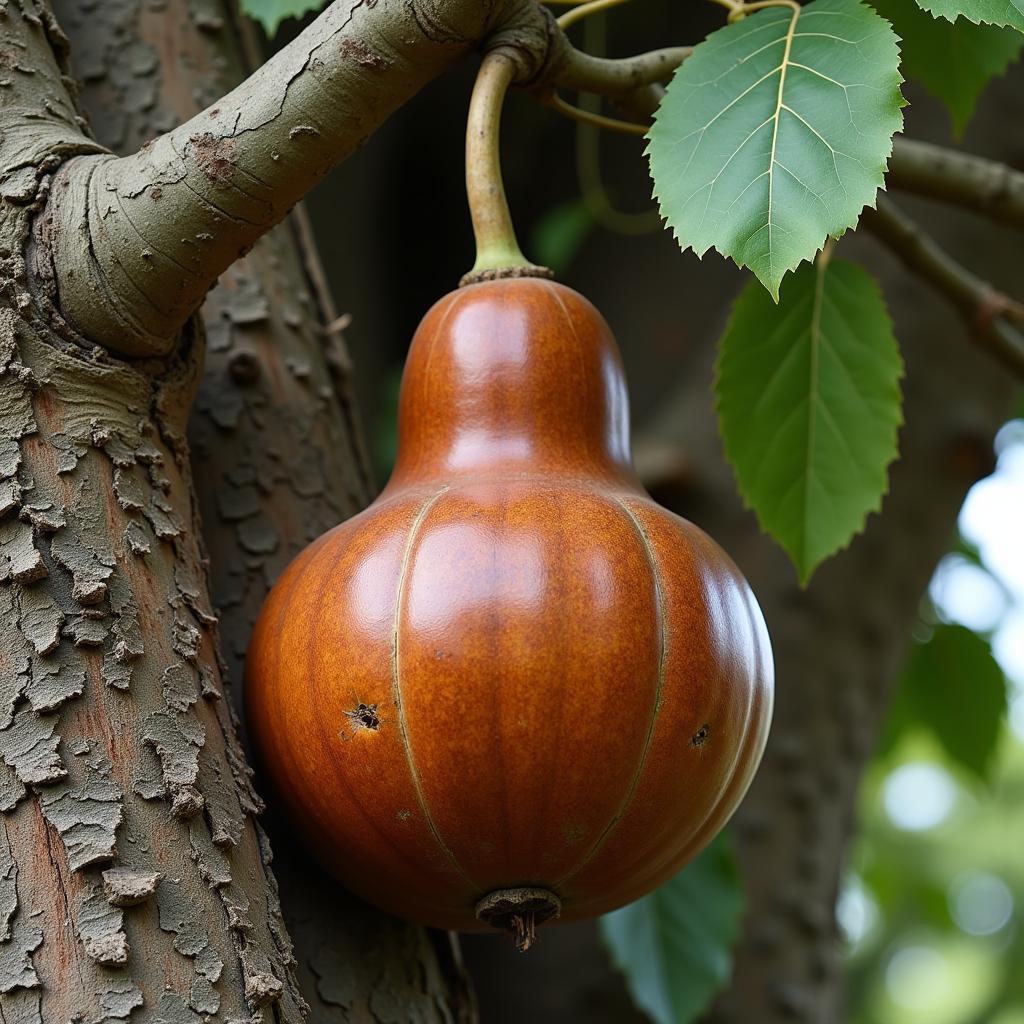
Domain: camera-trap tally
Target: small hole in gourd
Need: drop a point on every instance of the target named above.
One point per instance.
(700, 737)
(364, 716)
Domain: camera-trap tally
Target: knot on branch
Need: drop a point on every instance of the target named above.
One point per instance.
(534, 43)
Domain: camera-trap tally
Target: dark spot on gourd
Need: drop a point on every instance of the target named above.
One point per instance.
(573, 834)
(364, 716)
(700, 737)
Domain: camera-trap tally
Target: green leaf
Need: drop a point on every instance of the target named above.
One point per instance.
(775, 133)
(809, 405)
(560, 233)
(270, 13)
(992, 12)
(953, 62)
(675, 945)
(954, 687)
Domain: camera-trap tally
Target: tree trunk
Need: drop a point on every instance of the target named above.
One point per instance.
(124, 782)
(277, 456)
(135, 872)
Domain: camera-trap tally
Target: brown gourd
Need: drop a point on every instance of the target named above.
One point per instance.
(514, 687)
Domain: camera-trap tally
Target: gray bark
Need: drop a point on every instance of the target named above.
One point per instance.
(111, 655)
(135, 872)
(278, 459)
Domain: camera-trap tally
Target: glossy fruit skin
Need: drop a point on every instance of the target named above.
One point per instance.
(514, 668)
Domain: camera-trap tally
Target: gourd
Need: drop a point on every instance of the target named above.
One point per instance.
(514, 688)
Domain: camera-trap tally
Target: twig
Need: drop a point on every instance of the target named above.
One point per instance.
(581, 11)
(995, 319)
(983, 186)
(588, 156)
(615, 77)
(590, 117)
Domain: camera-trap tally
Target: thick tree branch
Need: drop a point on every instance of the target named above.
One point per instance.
(149, 233)
(995, 319)
(983, 186)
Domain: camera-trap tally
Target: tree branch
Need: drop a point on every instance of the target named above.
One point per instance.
(983, 186)
(988, 311)
(148, 234)
(616, 77)
(158, 227)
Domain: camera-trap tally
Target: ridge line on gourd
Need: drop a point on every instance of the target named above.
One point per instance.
(514, 689)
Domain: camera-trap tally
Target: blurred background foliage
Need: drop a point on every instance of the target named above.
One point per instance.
(933, 904)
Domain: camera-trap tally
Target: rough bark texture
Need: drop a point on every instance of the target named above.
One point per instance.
(135, 874)
(277, 458)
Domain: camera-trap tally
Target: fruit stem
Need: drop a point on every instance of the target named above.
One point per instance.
(519, 911)
(497, 250)
(524, 930)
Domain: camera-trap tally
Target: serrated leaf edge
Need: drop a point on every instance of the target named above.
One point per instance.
(899, 80)
(963, 14)
(804, 573)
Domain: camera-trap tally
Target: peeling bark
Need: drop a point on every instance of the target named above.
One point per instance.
(278, 458)
(118, 752)
(119, 757)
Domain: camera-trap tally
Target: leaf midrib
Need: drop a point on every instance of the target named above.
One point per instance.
(783, 67)
(812, 405)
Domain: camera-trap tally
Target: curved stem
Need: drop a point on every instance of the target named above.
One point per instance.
(598, 120)
(226, 176)
(588, 158)
(595, 194)
(740, 8)
(585, 10)
(496, 244)
(751, 8)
